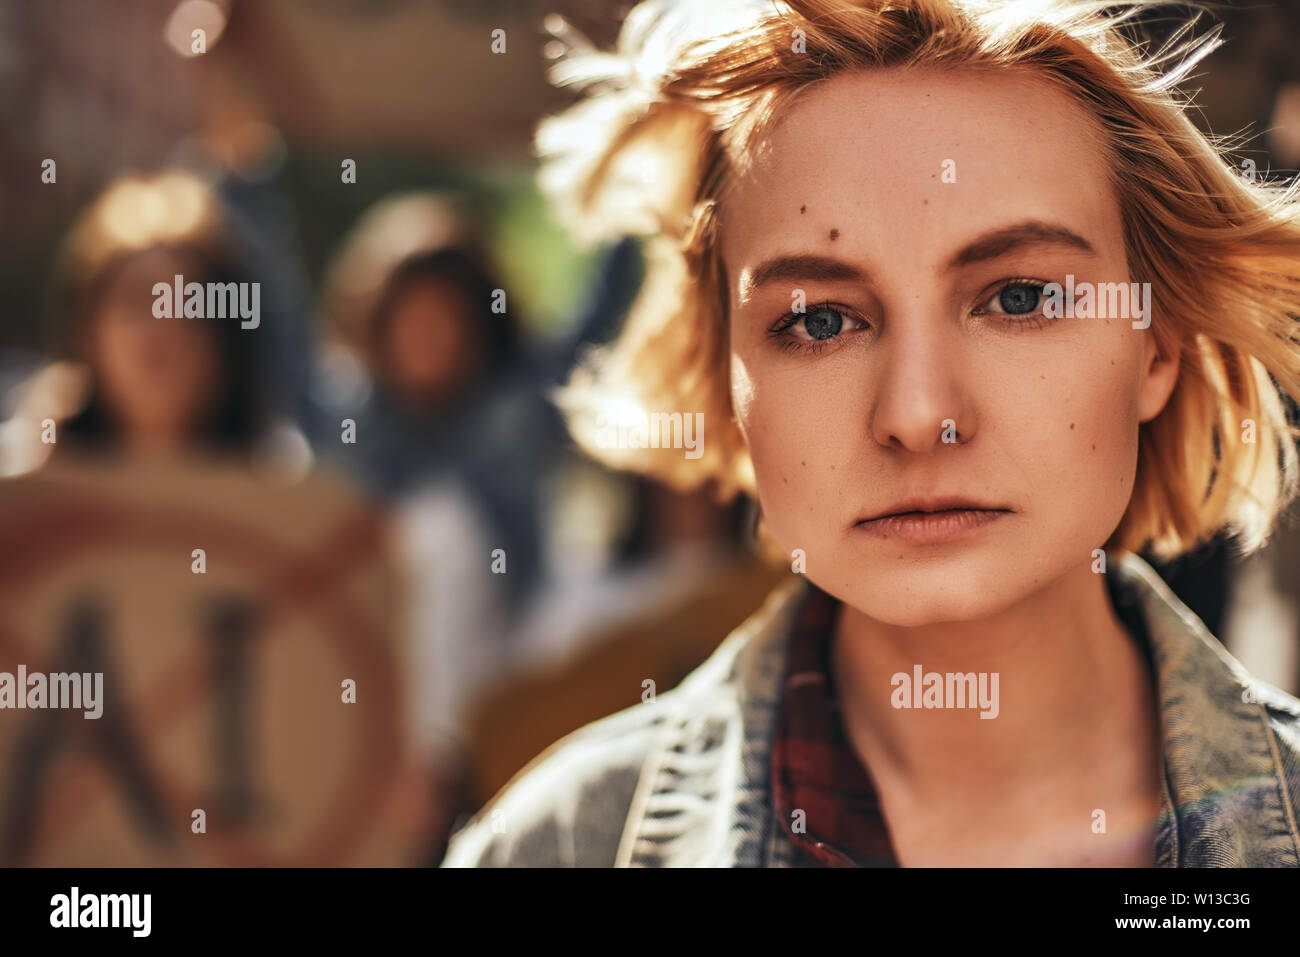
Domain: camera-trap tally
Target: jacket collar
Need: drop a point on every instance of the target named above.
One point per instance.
(1226, 802)
(704, 798)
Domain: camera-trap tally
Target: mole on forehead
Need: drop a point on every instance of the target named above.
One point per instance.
(1037, 185)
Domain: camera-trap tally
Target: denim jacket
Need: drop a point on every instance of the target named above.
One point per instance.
(684, 779)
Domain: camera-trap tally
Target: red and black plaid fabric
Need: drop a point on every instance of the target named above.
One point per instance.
(814, 769)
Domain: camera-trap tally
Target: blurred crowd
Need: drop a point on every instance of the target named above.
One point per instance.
(410, 382)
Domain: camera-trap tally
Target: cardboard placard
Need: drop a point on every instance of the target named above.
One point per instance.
(226, 736)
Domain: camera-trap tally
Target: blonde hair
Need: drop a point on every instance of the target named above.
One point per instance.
(668, 124)
(169, 209)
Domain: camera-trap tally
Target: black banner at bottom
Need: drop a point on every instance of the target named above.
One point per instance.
(127, 907)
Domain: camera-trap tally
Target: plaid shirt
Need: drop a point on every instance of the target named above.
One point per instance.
(814, 768)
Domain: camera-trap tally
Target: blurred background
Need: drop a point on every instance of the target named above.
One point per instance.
(371, 486)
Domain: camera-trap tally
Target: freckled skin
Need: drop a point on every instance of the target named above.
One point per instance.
(872, 401)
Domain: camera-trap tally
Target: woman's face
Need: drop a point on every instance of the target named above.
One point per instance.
(158, 377)
(430, 351)
(900, 205)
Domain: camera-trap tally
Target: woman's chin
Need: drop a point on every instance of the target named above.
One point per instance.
(917, 596)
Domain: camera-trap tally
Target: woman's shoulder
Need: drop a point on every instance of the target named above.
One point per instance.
(1231, 739)
(569, 805)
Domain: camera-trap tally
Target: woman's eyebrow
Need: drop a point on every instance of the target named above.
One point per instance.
(1003, 240)
(990, 245)
(796, 268)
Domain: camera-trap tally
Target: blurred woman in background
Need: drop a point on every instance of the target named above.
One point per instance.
(125, 383)
(447, 421)
(163, 416)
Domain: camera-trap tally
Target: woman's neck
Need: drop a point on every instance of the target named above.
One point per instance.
(1071, 684)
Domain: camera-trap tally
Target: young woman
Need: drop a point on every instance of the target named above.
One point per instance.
(975, 313)
(149, 388)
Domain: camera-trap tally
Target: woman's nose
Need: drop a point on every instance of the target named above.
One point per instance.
(921, 401)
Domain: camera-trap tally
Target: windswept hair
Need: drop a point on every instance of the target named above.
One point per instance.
(669, 121)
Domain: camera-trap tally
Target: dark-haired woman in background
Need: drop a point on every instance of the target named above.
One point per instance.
(448, 422)
(128, 384)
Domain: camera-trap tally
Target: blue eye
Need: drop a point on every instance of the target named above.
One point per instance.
(817, 324)
(1019, 300)
(823, 322)
(819, 327)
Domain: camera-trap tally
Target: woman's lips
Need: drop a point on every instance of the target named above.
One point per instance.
(929, 528)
